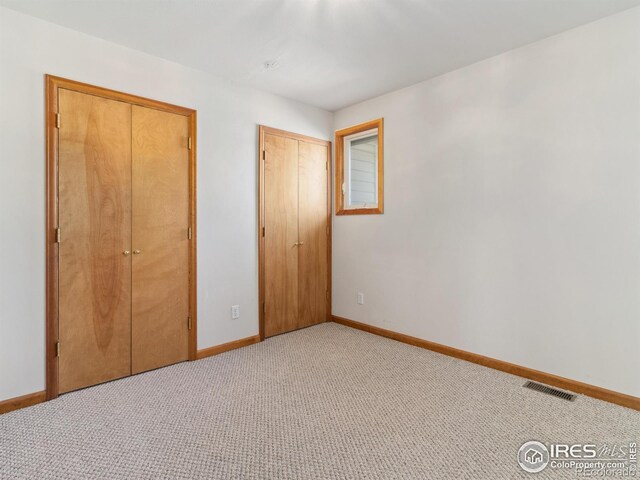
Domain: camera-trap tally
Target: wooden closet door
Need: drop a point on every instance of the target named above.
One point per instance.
(313, 234)
(281, 234)
(160, 221)
(94, 181)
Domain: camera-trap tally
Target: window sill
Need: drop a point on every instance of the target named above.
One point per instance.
(361, 211)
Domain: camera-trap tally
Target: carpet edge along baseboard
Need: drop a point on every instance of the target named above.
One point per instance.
(30, 399)
(23, 401)
(225, 347)
(593, 391)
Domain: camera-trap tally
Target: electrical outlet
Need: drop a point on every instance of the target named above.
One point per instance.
(360, 298)
(235, 312)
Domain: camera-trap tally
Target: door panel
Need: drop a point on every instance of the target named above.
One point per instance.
(281, 234)
(313, 255)
(160, 213)
(94, 181)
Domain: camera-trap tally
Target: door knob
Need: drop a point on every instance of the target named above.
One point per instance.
(301, 243)
(136, 252)
(126, 252)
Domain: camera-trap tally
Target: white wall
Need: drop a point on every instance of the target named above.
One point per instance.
(227, 179)
(512, 209)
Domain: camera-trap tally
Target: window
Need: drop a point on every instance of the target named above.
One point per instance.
(359, 169)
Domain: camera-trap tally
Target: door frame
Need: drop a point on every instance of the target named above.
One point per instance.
(52, 85)
(262, 130)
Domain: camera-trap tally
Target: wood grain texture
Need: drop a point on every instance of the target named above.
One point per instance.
(60, 82)
(95, 219)
(600, 393)
(23, 401)
(261, 230)
(51, 249)
(313, 234)
(330, 235)
(281, 234)
(263, 132)
(54, 85)
(160, 219)
(339, 170)
(295, 136)
(193, 249)
(225, 347)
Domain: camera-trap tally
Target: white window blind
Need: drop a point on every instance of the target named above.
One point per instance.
(362, 170)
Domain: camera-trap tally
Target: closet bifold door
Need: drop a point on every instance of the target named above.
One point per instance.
(94, 182)
(312, 234)
(160, 244)
(281, 237)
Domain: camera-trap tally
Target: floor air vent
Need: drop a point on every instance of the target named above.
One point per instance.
(550, 391)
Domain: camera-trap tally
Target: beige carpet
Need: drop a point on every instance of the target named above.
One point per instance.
(325, 402)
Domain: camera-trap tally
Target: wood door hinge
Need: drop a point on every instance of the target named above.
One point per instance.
(189, 323)
(263, 231)
(57, 348)
(58, 235)
(190, 143)
(189, 233)
(57, 120)
(264, 154)
(326, 165)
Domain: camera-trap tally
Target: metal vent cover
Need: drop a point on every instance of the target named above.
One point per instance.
(538, 387)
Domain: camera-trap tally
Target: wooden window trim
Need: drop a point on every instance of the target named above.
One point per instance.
(52, 85)
(339, 142)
